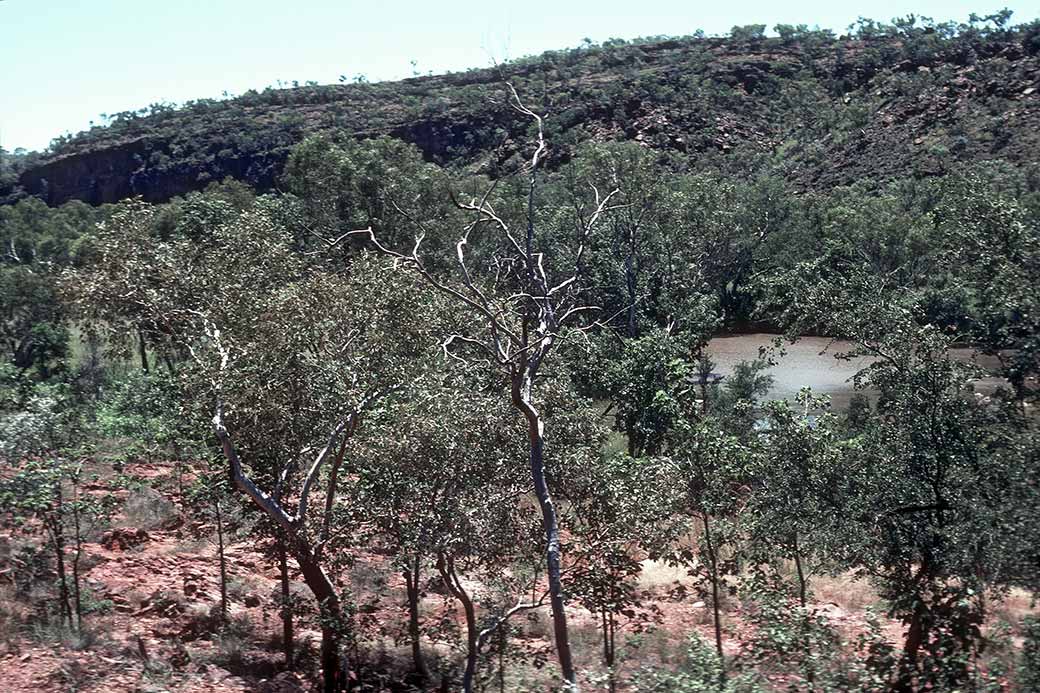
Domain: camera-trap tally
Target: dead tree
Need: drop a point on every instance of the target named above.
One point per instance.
(518, 332)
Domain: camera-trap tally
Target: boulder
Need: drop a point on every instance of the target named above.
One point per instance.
(123, 538)
(285, 682)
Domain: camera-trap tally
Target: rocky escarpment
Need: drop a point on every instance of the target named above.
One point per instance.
(818, 110)
(110, 174)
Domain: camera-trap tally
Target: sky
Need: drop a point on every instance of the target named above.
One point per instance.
(65, 62)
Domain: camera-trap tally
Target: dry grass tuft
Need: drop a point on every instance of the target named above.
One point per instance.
(846, 591)
(659, 577)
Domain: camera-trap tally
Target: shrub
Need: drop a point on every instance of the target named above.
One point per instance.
(702, 672)
(1029, 669)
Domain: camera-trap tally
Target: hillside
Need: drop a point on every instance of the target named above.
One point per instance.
(887, 101)
(734, 386)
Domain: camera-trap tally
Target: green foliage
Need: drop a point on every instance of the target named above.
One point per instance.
(37, 242)
(645, 378)
(1029, 669)
(269, 305)
(46, 419)
(702, 672)
(143, 414)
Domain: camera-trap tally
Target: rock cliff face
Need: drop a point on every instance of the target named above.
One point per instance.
(110, 174)
(103, 175)
(825, 111)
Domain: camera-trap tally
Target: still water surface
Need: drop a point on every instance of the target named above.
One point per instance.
(809, 362)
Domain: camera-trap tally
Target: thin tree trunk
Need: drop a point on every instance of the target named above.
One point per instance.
(78, 600)
(608, 626)
(223, 562)
(58, 541)
(169, 363)
(502, 641)
(142, 351)
(911, 647)
(803, 588)
(536, 438)
(446, 567)
(286, 611)
(802, 582)
(715, 606)
(411, 581)
(916, 634)
(630, 286)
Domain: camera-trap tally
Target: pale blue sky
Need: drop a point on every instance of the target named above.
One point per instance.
(64, 62)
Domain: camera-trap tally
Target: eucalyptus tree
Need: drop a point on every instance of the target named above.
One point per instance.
(645, 379)
(705, 469)
(210, 497)
(292, 353)
(452, 495)
(620, 518)
(717, 231)
(928, 488)
(793, 507)
(524, 302)
(440, 487)
(344, 184)
(627, 263)
(991, 244)
(794, 512)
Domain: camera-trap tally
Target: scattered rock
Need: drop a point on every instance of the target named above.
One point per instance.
(149, 509)
(216, 674)
(162, 602)
(180, 658)
(123, 538)
(285, 682)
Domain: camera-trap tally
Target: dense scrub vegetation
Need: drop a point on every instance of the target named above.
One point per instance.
(468, 411)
